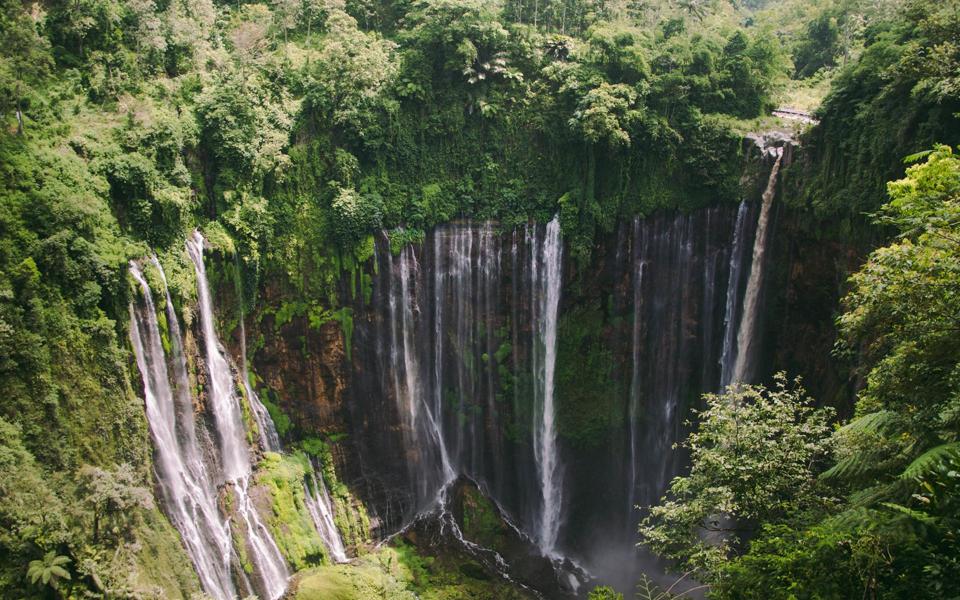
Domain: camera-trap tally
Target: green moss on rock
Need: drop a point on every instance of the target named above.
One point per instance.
(290, 522)
(481, 523)
(401, 573)
(588, 396)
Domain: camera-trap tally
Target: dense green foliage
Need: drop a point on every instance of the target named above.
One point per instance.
(879, 520)
(900, 97)
(754, 463)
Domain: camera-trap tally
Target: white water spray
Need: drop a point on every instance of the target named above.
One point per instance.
(731, 306)
(321, 512)
(234, 452)
(421, 421)
(746, 336)
(545, 269)
(189, 497)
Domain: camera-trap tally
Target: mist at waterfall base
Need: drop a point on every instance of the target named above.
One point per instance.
(465, 325)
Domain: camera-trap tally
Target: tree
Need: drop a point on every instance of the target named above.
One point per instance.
(149, 33)
(604, 592)
(902, 450)
(351, 74)
(285, 15)
(309, 11)
(606, 114)
(754, 461)
(249, 38)
(355, 215)
(901, 316)
(49, 571)
(894, 531)
(24, 55)
(245, 130)
(113, 496)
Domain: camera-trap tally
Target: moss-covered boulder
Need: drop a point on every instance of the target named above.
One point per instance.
(282, 477)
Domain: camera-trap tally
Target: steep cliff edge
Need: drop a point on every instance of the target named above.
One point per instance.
(643, 330)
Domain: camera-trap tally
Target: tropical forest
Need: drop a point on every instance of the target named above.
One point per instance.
(480, 299)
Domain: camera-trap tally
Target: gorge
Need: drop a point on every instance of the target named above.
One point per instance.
(487, 300)
(457, 345)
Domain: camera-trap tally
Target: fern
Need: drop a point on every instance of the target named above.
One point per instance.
(646, 590)
(876, 422)
(927, 462)
(913, 514)
(869, 496)
(916, 156)
(851, 466)
(851, 518)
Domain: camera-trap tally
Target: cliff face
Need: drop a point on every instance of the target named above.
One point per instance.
(442, 376)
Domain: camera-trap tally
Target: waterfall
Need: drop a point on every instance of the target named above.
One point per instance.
(434, 468)
(746, 335)
(633, 410)
(545, 270)
(234, 451)
(189, 497)
(321, 512)
(685, 283)
(269, 438)
(467, 322)
(732, 303)
(448, 344)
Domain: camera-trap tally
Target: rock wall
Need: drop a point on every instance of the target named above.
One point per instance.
(621, 406)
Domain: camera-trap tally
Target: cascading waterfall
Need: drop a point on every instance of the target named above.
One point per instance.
(434, 469)
(545, 269)
(633, 410)
(469, 320)
(446, 352)
(234, 452)
(321, 512)
(732, 305)
(189, 497)
(669, 298)
(464, 279)
(686, 274)
(746, 335)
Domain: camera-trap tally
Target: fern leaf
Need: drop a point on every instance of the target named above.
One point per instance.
(915, 157)
(871, 495)
(645, 588)
(925, 463)
(913, 514)
(850, 467)
(875, 422)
